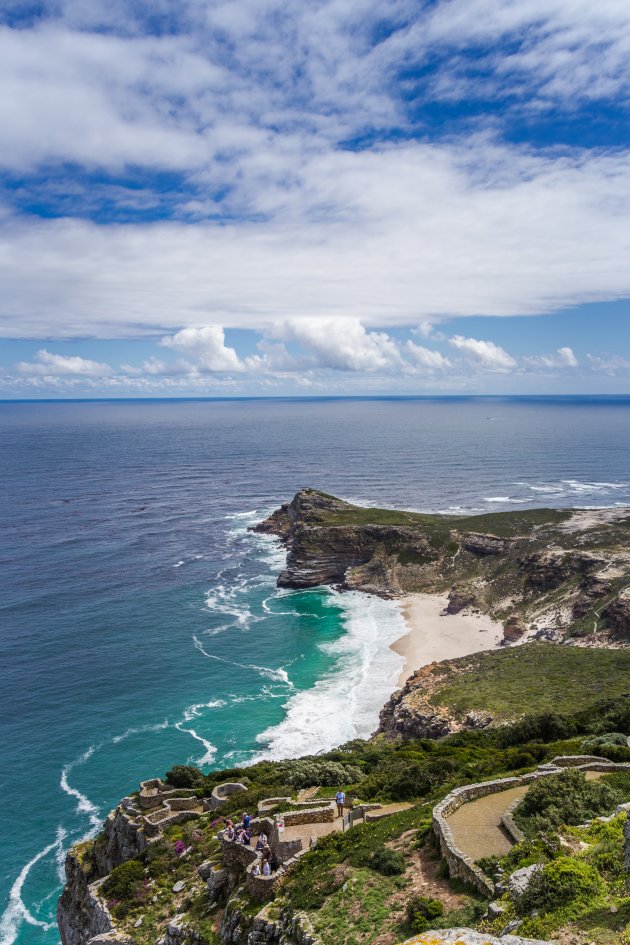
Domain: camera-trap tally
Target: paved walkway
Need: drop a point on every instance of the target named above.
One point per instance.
(476, 826)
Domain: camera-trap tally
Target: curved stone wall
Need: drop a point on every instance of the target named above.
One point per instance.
(461, 865)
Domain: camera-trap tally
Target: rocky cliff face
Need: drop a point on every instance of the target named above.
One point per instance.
(81, 913)
(411, 713)
(545, 573)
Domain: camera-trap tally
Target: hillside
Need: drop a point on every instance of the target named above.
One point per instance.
(545, 573)
(499, 686)
(378, 881)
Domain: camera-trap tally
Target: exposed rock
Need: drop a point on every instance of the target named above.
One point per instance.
(122, 840)
(483, 545)
(617, 614)
(519, 881)
(81, 913)
(513, 630)
(469, 937)
(461, 597)
(478, 719)
(495, 910)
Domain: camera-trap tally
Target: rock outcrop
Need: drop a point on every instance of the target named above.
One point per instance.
(81, 913)
(533, 566)
(469, 937)
(617, 615)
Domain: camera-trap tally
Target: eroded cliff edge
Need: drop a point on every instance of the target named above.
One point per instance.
(545, 573)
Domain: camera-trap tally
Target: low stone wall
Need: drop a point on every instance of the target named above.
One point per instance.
(183, 803)
(285, 849)
(154, 792)
(236, 854)
(269, 802)
(575, 761)
(154, 828)
(222, 791)
(463, 866)
(313, 815)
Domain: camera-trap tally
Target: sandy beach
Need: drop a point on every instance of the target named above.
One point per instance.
(434, 637)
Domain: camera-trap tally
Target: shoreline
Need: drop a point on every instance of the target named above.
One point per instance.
(434, 635)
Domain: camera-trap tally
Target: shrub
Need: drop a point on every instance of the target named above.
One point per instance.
(562, 882)
(521, 759)
(603, 741)
(421, 912)
(325, 773)
(185, 776)
(388, 862)
(123, 880)
(564, 799)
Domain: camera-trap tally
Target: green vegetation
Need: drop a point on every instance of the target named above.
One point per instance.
(502, 524)
(506, 683)
(565, 881)
(564, 799)
(422, 912)
(124, 881)
(387, 861)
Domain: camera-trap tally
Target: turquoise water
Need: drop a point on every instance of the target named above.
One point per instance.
(139, 620)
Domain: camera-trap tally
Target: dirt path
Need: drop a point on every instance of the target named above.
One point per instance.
(476, 826)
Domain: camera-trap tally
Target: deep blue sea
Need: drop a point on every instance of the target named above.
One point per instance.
(139, 620)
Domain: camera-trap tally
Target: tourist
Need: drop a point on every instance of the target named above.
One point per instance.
(246, 820)
(256, 869)
(266, 853)
(261, 842)
(246, 837)
(239, 835)
(266, 868)
(340, 797)
(230, 833)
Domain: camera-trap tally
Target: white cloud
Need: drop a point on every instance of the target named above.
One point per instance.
(485, 353)
(563, 358)
(207, 348)
(426, 357)
(49, 364)
(409, 232)
(342, 344)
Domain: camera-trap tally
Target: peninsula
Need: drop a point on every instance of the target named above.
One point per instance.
(489, 808)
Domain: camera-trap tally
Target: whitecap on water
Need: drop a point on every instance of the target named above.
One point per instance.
(345, 703)
(16, 911)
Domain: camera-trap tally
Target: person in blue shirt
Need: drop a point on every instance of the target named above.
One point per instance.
(246, 820)
(340, 797)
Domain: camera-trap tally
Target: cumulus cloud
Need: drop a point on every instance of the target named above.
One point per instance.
(485, 353)
(563, 358)
(342, 344)
(426, 357)
(207, 348)
(58, 365)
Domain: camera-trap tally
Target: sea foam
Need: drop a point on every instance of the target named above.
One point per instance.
(345, 703)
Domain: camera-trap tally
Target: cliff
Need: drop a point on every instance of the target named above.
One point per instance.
(545, 573)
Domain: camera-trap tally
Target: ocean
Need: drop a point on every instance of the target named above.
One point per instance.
(140, 625)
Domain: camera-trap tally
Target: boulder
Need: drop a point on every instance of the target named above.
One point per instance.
(519, 881)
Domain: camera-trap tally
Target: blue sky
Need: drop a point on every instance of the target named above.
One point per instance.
(345, 196)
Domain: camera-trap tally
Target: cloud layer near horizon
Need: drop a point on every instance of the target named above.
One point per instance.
(173, 167)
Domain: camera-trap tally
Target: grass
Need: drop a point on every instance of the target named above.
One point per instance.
(503, 524)
(509, 683)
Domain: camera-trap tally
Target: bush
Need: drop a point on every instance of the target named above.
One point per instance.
(564, 799)
(325, 773)
(123, 880)
(597, 742)
(421, 912)
(562, 882)
(388, 862)
(185, 776)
